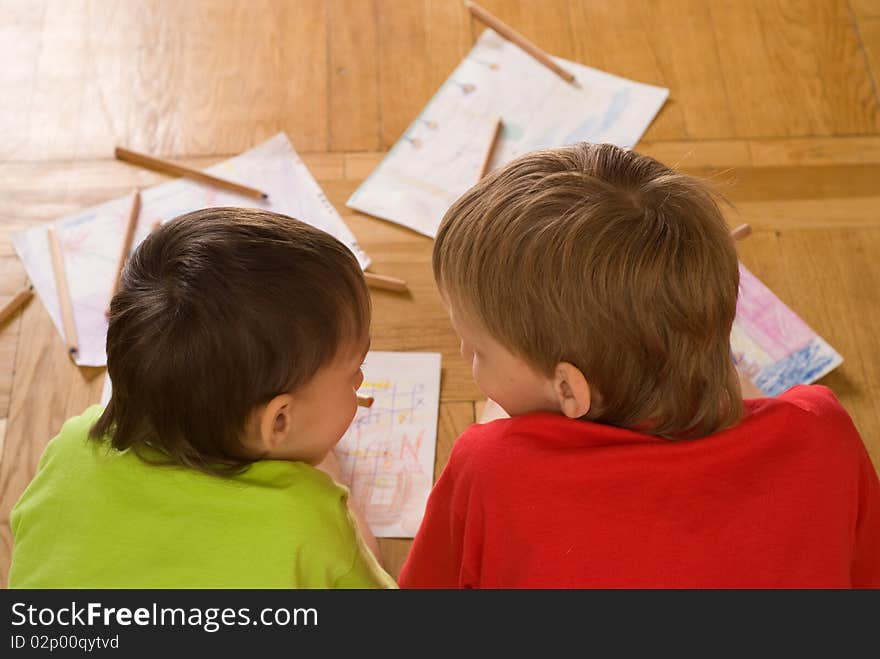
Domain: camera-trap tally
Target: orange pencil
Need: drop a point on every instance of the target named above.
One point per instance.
(386, 283)
(365, 401)
(18, 300)
(515, 37)
(174, 169)
(487, 157)
(127, 239)
(63, 293)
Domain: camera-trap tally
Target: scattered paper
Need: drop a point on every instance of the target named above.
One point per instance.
(387, 455)
(771, 343)
(91, 239)
(439, 156)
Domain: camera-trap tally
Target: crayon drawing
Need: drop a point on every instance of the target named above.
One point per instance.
(387, 455)
(90, 239)
(439, 155)
(772, 345)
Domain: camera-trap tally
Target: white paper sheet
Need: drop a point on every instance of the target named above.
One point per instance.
(387, 455)
(439, 156)
(91, 239)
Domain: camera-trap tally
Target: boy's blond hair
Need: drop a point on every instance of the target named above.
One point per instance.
(613, 262)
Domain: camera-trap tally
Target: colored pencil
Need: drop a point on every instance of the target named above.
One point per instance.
(515, 37)
(18, 300)
(386, 283)
(127, 239)
(63, 293)
(487, 157)
(742, 231)
(174, 169)
(365, 401)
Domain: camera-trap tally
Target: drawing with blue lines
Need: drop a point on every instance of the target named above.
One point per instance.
(387, 454)
(440, 154)
(90, 239)
(771, 343)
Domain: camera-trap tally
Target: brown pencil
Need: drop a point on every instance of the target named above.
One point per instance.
(127, 239)
(386, 283)
(742, 231)
(365, 401)
(487, 157)
(174, 169)
(515, 37)
(18, 300)
(63, 293)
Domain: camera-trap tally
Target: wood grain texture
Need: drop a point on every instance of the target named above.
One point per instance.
(12, 278)
(420, 43)
(865, 8)
(869, 32)
(786, 54)
(354, 75)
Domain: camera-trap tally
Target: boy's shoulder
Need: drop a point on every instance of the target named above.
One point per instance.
(504, 441)
(806, 413)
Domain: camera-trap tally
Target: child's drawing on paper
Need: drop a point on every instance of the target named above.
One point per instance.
(439, 155)
(387, 455)
(90, 239)
(772, 345)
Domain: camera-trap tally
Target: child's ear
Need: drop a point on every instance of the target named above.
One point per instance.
(275, 421)
(572, 390)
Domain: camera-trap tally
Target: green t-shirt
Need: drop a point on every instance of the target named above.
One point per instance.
(95, 517)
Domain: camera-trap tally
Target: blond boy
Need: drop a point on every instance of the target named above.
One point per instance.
(593, 290)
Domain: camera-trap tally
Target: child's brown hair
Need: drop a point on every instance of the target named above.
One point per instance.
(219, 311)
(613, 262)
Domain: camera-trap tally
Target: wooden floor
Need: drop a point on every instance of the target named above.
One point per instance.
(776, 99)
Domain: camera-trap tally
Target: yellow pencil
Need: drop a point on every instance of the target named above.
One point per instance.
(127, 239)
(18, 300)
(487, 157)
(515, 37)
(742, 231)
(386, 283)
(175, 169)
(63, 293)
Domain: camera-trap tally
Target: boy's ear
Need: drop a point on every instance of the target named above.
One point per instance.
(275, 421)
(572, 390)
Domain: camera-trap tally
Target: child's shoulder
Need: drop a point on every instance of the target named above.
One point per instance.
(501, 440)
(816, 399)
(805, 408)
(73, 435)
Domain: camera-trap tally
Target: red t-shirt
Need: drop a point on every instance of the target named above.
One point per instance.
(787, 498)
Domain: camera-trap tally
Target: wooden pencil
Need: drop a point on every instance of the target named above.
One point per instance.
(742, 231)
(63, 293)
(127, 239)
(487, 157)
(386, 283)
(365, 401)
(174, 169)
(18, 300)
(515, 37)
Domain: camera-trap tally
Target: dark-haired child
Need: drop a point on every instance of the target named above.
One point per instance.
(234, 347)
